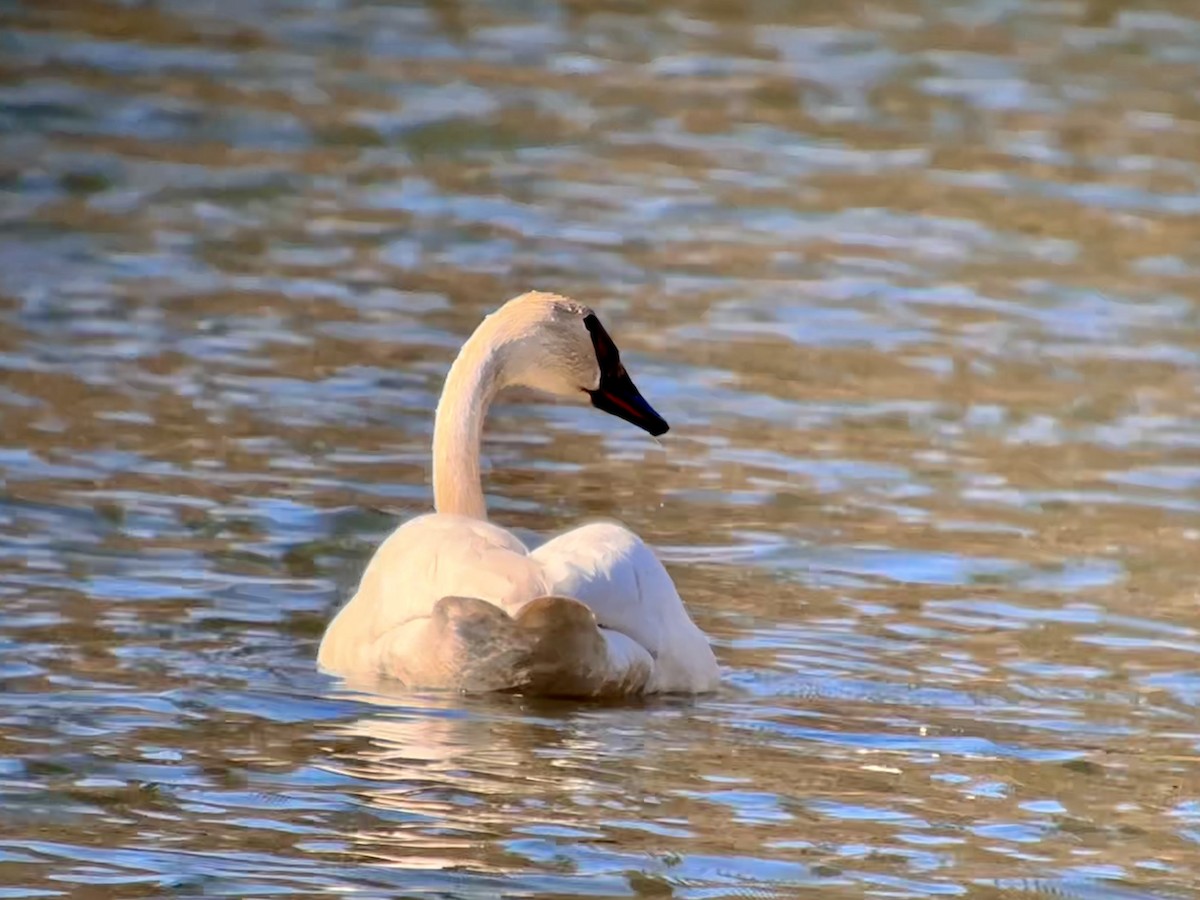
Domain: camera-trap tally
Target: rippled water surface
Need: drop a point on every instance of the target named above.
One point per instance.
(916, 285)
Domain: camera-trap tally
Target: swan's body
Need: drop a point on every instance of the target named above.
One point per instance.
(452, 601)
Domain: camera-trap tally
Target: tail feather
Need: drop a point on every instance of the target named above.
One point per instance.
(552, 647)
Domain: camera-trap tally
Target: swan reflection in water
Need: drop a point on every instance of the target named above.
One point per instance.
(499, 785)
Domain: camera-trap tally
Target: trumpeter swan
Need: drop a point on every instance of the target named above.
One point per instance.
(452, 601)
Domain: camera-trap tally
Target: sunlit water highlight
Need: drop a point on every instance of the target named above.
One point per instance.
(915, 286)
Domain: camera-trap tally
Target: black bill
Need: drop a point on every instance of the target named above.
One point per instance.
(617, 394)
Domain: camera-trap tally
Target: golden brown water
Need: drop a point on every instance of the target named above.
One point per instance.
(915, 285)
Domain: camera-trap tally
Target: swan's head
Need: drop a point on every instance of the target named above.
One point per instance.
(556, 345)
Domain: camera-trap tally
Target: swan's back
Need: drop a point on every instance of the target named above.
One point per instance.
(452, 602)
(422, 561)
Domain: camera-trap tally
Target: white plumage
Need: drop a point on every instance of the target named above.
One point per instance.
(452, 601)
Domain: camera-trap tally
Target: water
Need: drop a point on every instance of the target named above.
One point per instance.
(915, 285)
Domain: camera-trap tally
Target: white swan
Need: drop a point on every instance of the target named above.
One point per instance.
(451, 601)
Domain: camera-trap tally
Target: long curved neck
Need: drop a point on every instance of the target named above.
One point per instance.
(475, 378)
